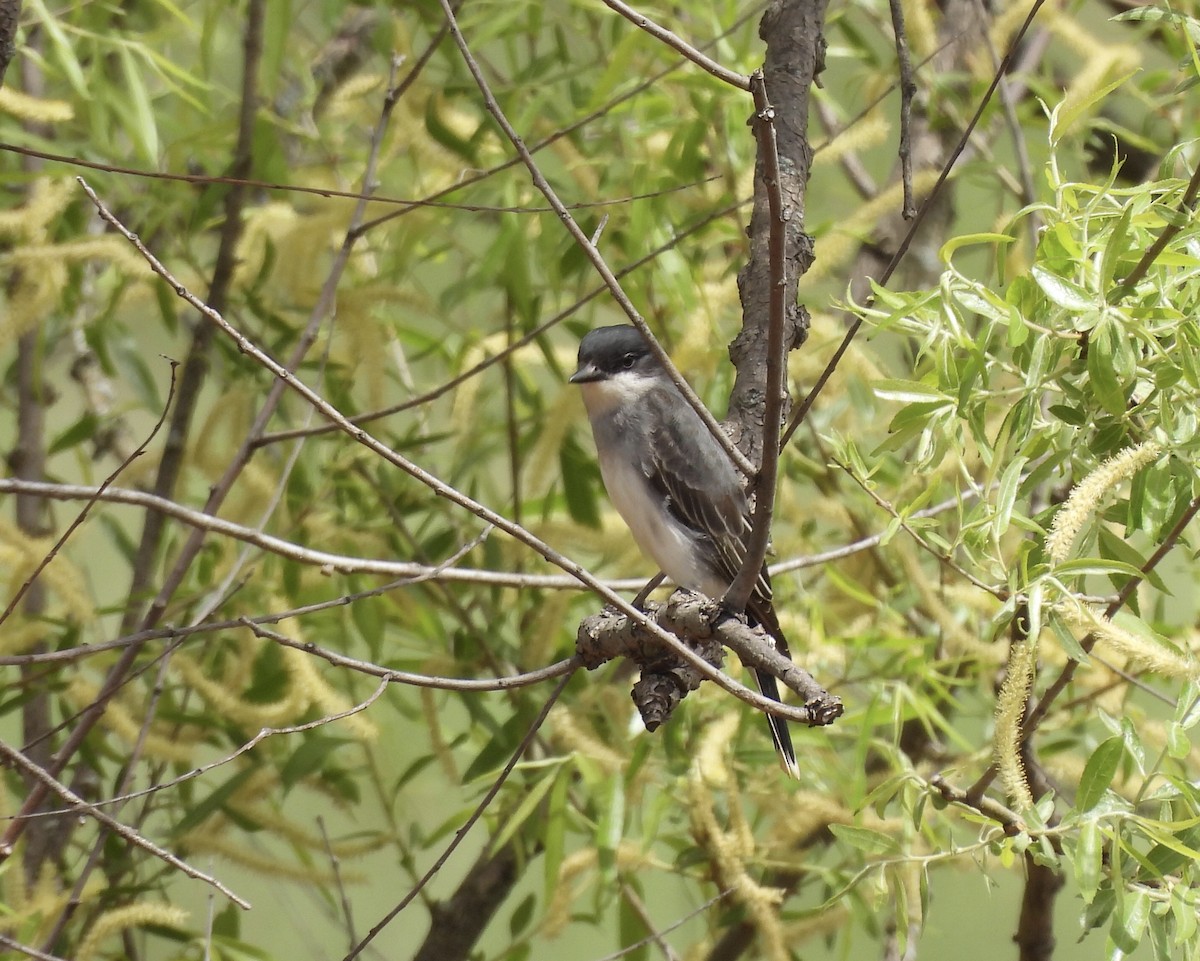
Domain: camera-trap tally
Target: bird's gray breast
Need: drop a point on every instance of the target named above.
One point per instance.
(675, 548)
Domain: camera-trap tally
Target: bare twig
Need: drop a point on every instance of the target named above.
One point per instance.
(335, 864)
(640, 20)
(28, 950)
(638, 906)
(943, 557)
(408, 572)
(462, 832)
(79, 805)
(908, 90)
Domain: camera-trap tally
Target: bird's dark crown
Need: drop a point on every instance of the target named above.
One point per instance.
(610, 350)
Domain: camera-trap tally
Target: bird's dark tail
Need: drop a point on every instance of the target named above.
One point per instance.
(779, 727)
(760, 612)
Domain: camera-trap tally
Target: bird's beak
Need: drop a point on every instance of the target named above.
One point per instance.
(586, 374)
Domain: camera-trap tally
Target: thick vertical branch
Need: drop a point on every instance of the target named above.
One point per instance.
(195, 367)
(10, 14)
(28, 462)
(795, 56)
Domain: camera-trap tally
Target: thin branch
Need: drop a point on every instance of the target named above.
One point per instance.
(79, 805)
(943, 557)
(462, 832)
(638, 906)
(506, 683)
(908, 90)
(335, 865)
(250, 745)
(28, 950)
(640, 20)
(1131, 280)
(91, 502)
(1009, 820)
(678, 923)
(407, 572)
(801, 412)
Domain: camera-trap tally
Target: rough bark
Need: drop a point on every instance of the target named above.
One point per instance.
(792, 30)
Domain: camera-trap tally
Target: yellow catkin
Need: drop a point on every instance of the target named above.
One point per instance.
(19, 635)
(1086, 496)
(730, 851)
(41, 904)
(267, 864)
(118, 718)
(921, 28)
(233, 707)
(1144, 651)
(558, 911)
(712, 756)
(569, 733)
(34, 109)
(1010, 712)
(317, 692)
(21, 554)
(431, 709)
(131, 916)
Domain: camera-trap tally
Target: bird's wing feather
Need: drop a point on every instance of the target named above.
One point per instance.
(703, 490)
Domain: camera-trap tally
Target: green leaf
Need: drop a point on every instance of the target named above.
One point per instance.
(1006, 495)
(1088, 859)
(529, 802)
(969, 240)
(1102, 369)
(140, 124)
(309, 757)
(865, 839)
(78, 432)
(213, 803)
(522, 914)
(1067, 640)
(1129, 924)
(555, 833)
(1062, 292)
(64, 50)
(580, 478)
(1099, 772)
(1115, 247)
(1072, 109)
(909, 392)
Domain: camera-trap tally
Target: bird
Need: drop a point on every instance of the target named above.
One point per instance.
(673, 484)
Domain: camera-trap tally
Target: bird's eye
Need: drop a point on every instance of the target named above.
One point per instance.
(629, 360)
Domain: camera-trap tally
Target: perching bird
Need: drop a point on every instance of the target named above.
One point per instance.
(672, 483)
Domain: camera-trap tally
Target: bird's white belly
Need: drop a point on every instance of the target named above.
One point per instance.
(661, 538)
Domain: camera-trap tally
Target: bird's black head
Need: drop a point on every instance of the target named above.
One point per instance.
(608, 351)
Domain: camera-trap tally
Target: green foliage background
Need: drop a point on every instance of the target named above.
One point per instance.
(1009, 373)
